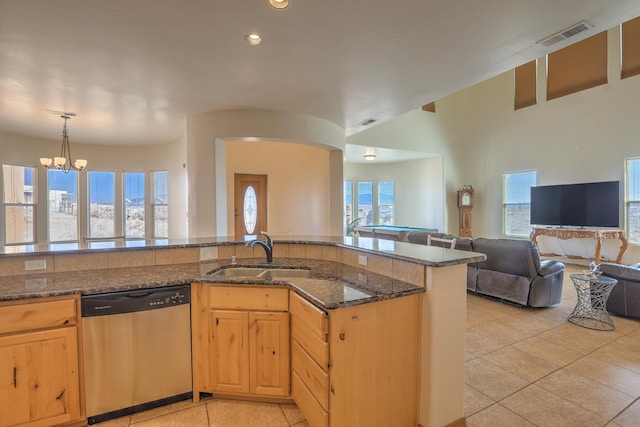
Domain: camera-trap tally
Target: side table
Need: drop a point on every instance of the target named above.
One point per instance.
(591, 306)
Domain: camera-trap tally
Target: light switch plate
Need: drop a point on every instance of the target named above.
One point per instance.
(208, 252)
(36, 264)
(362, 260)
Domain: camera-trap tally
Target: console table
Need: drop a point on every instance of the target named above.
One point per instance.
(568, 233)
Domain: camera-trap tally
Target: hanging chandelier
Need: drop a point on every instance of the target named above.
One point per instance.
(64, 162)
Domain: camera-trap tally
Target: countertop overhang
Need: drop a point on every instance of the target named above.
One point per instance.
(331, 284)
(428, 255)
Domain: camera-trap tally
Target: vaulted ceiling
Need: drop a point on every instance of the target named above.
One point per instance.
(133, 70)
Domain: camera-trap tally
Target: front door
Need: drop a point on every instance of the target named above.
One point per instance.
(250, 204)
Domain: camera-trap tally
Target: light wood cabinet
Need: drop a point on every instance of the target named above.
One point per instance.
(230, 351)
(364, 370)
(310, 360)
(350, 366)
(243, 348)
(39, 363)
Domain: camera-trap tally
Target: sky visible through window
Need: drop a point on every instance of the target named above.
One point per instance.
(101, 190)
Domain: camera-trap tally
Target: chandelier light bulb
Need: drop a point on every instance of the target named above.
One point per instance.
(64, 161)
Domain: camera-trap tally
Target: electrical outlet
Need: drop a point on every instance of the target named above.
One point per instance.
(362, 260)
(208, 252)
(38, 283)
(36, 264)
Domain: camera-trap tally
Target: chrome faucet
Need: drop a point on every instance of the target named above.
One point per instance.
(266, 245)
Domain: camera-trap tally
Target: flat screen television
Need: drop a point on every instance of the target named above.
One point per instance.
(594, 204)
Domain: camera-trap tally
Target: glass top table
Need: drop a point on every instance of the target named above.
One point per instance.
(591, 307)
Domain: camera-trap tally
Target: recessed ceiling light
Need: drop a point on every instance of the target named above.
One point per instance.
(279, 4)
(254, 39)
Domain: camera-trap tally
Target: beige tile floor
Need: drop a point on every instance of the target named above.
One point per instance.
(524, 367)
(530, 367)
(215, 413)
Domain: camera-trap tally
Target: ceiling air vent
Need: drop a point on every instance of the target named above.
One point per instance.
(367, 122)
(565, 34)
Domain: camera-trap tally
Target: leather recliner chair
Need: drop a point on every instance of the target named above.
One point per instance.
(625, 295)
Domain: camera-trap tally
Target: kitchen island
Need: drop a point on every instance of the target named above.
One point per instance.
(375, 272)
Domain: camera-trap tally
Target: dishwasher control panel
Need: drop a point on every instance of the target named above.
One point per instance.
(134, 300)
(175, 299)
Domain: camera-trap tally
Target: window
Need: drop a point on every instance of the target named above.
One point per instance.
(516, 202)
(250, 211)
(133, 204)
(348, 205)
(160, 205)
(19, 204)
(386, 203)
(365, 203)
(632, 199)
(102, 219)
(63, 205)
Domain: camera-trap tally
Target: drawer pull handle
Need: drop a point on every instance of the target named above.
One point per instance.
(15, 377)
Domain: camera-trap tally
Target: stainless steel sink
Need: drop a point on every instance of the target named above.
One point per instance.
(285, 272)
(238, 272)
(261, 272)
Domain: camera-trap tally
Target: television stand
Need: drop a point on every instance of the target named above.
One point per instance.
(583, 233)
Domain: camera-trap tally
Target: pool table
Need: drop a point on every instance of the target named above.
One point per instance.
(388, 232)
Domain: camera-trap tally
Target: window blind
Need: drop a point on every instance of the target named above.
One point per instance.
(525, 85)
(577, 67)
(631, 48)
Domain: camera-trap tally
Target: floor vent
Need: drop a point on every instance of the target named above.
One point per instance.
(565, 34)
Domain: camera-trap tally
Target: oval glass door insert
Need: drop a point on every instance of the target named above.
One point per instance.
(250, 209)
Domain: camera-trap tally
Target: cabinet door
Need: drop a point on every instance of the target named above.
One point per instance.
(229, 351)
(270, 353)
(39, 381)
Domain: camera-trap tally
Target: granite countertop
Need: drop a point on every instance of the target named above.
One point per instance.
(330, 284)
(427, 255)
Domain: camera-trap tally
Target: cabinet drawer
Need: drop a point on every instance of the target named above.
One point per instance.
(37, 315)
(249, 298)
(309, 406)
(312, 375)
(317, 348)
(315, 318)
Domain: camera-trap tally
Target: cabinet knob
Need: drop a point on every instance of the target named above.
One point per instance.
(342, 336)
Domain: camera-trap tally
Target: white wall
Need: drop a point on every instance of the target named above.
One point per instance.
(419, 188)
(582, 137)
(298, 184)
(254, 125)
(425, 132)
(26, 151)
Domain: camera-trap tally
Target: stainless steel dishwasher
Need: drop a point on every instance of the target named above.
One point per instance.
(137, 350)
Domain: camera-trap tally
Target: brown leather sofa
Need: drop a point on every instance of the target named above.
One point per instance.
(625, 295)
(512, 271)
